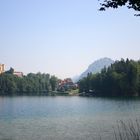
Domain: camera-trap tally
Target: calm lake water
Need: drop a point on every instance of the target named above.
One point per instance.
(63, 118)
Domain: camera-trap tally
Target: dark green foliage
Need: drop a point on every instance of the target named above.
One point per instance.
(131, 4)
(53, 82)
(120, 79)
(10, 71)
(32, 84)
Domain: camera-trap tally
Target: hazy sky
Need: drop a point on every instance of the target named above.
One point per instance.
(62, 37)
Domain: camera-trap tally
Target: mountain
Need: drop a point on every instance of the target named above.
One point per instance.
(75, 78)
(97, 66)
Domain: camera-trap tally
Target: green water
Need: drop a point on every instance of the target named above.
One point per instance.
(63, 118)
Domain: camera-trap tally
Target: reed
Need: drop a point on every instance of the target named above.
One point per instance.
(127, 130)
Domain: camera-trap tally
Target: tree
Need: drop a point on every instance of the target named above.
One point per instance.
(53, 82)
(131, 4)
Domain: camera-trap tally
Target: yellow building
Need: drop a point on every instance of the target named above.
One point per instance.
(1, 68)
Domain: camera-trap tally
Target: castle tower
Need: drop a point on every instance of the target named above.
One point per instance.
(2, 68)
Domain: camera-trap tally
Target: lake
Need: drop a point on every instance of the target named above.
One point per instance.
(63, 118)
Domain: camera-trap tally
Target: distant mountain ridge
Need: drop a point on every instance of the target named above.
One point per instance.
(97, 66)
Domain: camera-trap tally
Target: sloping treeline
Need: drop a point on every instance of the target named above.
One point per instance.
(120, 79)
(32, 84)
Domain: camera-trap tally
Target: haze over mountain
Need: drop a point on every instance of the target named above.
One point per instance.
(96, 66)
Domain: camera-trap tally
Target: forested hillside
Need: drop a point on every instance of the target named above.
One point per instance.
(120, 79)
